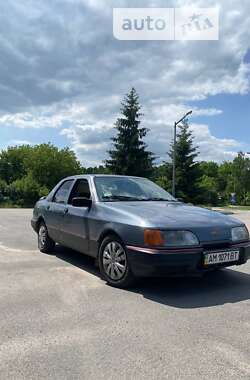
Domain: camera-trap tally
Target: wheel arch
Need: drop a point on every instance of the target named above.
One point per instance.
(39, 221)
(104, 234)
(127, 278)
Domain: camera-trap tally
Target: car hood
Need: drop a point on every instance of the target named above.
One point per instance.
(208, 225)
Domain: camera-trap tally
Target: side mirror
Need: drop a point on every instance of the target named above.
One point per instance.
(81, 202)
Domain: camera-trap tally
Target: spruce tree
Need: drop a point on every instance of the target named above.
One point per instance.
(129, 155)
(187, 169)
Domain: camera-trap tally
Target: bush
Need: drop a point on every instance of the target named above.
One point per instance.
(26, 191)
(29, 172)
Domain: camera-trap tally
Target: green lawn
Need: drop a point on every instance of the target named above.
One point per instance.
(231, 208)
(238, 207)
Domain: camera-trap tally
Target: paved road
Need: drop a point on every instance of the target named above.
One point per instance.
(58, 320)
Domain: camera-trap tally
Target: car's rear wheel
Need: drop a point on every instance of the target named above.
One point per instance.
(45, 243)
(114, 264)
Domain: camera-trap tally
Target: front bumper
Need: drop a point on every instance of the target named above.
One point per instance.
(34, 224)
(158, 262)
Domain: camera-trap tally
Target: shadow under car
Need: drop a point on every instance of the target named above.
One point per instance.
(211, 289)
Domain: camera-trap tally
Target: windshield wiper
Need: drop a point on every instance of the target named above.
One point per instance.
(130, 198)
(160, 199)
(121, 198)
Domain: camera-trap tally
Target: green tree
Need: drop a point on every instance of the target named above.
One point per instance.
(241, 177)
(162, 175)
(209, 183)
(187, 169)
(96, 170)
(12, 162)
(28, 172)
(225, 180)
(48, 164)
(3, 189)
(208, 192)
(209, 168)
(129, 155)
(26, 191)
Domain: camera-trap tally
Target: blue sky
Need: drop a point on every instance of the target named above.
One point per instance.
(233, 122)
(63, 75)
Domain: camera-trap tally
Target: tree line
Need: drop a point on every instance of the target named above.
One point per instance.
(29, 172)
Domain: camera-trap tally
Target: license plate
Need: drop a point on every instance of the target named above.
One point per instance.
(211, 258)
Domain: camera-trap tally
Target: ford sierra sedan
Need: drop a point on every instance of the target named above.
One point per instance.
(133, 228)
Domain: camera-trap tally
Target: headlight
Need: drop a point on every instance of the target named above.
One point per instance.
(239, 233)
(169, 238)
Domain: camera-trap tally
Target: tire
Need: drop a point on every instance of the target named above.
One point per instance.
(219, 269)
(45, 243)
(113, 263)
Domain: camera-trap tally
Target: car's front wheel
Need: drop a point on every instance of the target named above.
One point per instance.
(45, 243)
(113, 263)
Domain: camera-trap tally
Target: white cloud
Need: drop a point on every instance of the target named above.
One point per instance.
(90, 142)
(18, 142)
(46, 117)
(212, 148)
(60, 67)
(168, 114)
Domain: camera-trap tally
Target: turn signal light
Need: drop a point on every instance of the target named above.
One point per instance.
(153, 238)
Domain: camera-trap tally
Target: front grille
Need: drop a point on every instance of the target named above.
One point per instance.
(216, 245)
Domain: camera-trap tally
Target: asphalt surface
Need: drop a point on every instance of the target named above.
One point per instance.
(59, 320)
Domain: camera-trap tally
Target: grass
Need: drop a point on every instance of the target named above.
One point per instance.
(246, 208)
(9, 205)
(230, 208)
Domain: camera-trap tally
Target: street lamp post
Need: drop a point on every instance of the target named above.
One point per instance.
(174, 151)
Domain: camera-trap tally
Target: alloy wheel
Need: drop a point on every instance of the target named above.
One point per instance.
(114, 260)
(42, 235)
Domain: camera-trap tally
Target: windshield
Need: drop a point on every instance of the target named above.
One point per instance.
(129, 189)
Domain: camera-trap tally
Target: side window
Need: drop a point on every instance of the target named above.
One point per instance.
(81, 189)
(61, 195)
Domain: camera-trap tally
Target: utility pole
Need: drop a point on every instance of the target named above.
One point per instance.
(174, 151)
(174, 159)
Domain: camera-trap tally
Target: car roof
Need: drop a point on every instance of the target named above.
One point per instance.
(85, 176)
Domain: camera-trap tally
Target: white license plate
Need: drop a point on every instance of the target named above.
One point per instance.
(211, 258)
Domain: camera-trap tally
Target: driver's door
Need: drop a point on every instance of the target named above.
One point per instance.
(74, 228)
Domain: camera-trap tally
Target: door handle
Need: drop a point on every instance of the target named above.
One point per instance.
(66, 211)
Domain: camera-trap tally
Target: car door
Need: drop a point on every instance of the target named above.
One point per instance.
(55, 210)
(75, 232)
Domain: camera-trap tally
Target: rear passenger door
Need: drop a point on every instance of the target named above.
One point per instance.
(55, 210)
(75, 233)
